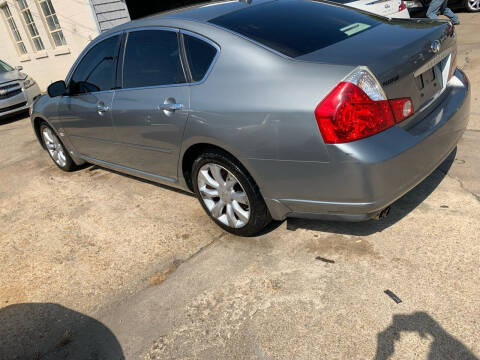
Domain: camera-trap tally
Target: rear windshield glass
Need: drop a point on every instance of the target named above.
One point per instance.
(296, 28)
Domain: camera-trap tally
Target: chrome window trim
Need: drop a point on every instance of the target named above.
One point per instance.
(150, 28)
(212, 64)
(177, 30)
(83, 54)
(153, 27)
(144, 28)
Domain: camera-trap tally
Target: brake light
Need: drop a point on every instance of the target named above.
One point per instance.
(402, 6)
(347, 113)
(401, 108)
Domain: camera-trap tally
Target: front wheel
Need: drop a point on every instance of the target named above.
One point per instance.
(57, 151)
(229, 195)
(472, 5)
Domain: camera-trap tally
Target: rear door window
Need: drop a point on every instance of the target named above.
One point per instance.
(200, 55)
(96, 71)
(295, 28)
(152, 58)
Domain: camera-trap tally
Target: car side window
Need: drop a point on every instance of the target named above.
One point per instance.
(152, 58)
(200, 55)
(97, 70)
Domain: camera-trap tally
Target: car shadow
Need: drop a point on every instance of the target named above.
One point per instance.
(399, 210)
(443, 345)
(8, 119)
(50, 331)
(171, 188)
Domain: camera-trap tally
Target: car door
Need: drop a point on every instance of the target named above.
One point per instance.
(85, 112)
(151, 109)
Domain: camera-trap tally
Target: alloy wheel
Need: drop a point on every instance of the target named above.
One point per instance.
(223, 195)
(474, 5)
(54, 147)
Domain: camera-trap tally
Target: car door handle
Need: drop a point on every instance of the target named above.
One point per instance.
(170, 107)
(102, 108)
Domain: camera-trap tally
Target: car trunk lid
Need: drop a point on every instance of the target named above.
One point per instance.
(410, 58)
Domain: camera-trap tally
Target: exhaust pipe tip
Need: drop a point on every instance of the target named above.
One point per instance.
(382, 213)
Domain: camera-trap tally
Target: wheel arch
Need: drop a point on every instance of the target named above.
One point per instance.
(192, 151)
(36, 122)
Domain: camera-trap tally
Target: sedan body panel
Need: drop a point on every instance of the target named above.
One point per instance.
(148, 136)
(87, 126)
(367, 175)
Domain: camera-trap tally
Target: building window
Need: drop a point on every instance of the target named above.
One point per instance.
(52, 22)
(14, 30)
(30, 24)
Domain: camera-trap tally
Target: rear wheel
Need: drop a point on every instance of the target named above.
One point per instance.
(56, 149)
(229, 195)
(472, 5)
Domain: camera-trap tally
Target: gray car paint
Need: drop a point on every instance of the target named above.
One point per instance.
(258, 105)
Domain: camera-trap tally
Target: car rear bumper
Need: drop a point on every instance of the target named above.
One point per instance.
(20, 102)
(366, 176)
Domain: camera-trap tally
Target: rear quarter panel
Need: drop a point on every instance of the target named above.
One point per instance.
(257, 104)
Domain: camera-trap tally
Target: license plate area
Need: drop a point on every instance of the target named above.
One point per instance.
(434, 79)
(429, 83)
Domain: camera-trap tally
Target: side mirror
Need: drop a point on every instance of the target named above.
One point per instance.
(19, 68)
(58, 88)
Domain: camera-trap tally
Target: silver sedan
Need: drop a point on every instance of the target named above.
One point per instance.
(17, 90)
(264, 109)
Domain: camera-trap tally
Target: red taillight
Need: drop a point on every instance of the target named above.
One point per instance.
(402, 6)
(348, 114)
(401, 108)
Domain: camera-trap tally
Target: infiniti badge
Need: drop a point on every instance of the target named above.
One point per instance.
(435, 46)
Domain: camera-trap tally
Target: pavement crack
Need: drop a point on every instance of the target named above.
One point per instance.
(204, 247)
(161, 276)
(464, 188)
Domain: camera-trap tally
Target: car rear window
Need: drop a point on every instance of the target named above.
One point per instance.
(200, 56)
(296, 28)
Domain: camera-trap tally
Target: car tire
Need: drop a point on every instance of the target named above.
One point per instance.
(55, 148)
(472, 5)
(228, 194)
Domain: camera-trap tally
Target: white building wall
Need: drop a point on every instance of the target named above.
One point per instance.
(79, 28)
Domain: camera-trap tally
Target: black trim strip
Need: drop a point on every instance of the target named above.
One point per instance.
(13, 107)
(183, 58)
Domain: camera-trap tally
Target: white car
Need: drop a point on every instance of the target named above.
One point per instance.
(387, 8)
